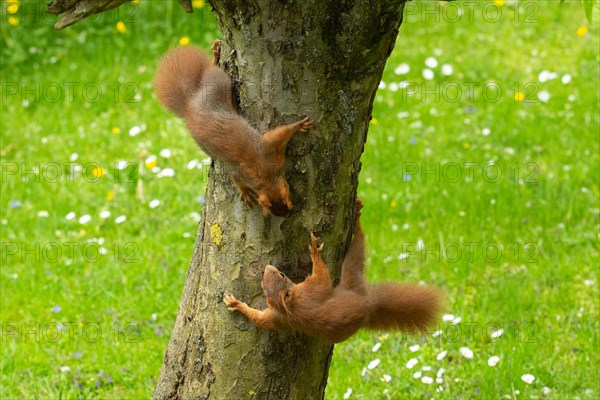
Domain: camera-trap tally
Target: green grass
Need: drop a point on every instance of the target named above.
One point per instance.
(117, 309)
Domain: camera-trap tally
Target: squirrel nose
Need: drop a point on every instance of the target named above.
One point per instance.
(278, 212)
(279, 209)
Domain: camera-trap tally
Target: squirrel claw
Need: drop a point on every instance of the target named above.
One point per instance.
(231, 302)
(247, 199)
(305, 124)
(314, 244)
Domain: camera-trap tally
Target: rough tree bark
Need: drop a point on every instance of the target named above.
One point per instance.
(318, 58)
(322, 58)
(74, 11)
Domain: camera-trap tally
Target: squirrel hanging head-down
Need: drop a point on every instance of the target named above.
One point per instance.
(333, 314)
(192, 86)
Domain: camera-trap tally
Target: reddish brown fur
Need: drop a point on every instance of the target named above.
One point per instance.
(318, 309)
(196, 89)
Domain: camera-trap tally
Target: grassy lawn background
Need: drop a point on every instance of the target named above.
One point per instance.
(482, 180)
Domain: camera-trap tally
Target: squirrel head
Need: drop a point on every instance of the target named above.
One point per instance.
(276, 199)
(277, 288)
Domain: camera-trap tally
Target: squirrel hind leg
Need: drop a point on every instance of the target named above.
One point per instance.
(216, 51)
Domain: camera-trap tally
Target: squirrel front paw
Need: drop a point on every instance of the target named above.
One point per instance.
(314, 247)
(305, 124)
(231, 302)
(247, 198)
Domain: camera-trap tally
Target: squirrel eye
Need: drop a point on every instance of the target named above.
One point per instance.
(282, 274)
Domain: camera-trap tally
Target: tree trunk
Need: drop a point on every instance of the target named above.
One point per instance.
(318, 58)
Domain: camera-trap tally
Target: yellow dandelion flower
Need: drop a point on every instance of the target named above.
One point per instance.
(121, 27)
(466, 145)
(519, 97)
(135, 1)
(394, 204)
(374, 121)
(81, 325)
(98, 172)
(184, 41)
(499, 3)
(14, 21)
(110, 196)
(12, 7)
(116, 130)
(198, 3)
(582, 30)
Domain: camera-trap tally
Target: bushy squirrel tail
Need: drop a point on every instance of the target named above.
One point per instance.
(407, 308)
(178, 77)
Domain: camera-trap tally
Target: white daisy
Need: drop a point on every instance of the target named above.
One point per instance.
(466, 352)
(374, 363)
(447, 69)
(431, 62)
(493, 360)
(166, 172)
(135, 130)
(166, 153)
(402, 69)
(497, 334)
(528, 378)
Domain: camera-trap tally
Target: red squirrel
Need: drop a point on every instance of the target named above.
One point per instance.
(197, 90)
(333, 314)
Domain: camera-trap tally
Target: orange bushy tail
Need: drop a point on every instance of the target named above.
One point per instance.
(404, 307)
(178, 77)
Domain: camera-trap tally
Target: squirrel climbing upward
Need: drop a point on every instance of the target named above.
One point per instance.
(197, 90)
(317, 309)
